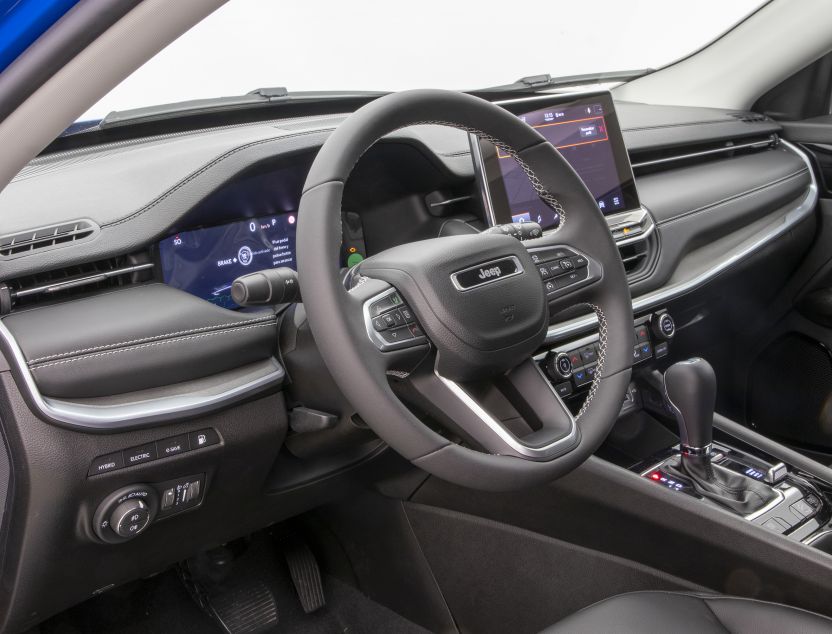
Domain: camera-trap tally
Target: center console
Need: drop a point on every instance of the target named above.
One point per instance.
(668, 434)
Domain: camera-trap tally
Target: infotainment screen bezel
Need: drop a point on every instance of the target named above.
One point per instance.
(489, 176)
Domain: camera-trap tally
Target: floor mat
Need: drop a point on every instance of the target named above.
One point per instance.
(162, 604)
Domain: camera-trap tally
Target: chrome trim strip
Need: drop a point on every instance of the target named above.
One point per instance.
(450, 201)
(127, 415)
(813, 538)
(768, 507)
(546, 452)
(667, 293)
(770, 142)
(518, 270)
(81, 281)
(640, 216)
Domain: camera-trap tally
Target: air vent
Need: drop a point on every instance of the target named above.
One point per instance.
(72, 281)
(27, 242)
(634, 257)
(675, 157)
(750, 117)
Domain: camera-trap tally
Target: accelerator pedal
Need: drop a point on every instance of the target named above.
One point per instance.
(305, 573)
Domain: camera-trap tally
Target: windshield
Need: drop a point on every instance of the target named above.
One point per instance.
(329, 45)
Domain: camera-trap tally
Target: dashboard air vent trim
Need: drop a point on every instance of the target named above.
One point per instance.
(26, 242)
(769, 142)
(798, 213)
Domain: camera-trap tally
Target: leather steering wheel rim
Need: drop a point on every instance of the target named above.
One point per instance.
(339, 326)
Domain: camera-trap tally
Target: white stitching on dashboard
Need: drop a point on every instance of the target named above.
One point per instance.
(194, 175)
(163, 335)
(149, 345)
(602, 356)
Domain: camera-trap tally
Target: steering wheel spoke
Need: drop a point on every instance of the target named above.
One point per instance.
(518, 414)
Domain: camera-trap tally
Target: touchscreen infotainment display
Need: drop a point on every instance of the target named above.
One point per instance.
(585, 131)
(204, 262)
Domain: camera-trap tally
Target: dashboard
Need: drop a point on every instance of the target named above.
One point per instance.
(119, 335)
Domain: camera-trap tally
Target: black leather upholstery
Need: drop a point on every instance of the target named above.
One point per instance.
(680, 613)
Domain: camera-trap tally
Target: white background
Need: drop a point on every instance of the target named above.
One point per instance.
(394, 45)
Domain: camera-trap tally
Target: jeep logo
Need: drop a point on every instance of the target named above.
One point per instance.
(486, 273)
(494, 271)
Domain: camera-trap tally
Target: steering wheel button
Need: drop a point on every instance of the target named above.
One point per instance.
(397, 334)
(550, 286)
(572, 278)
(398, 318)
(579, 261)
(544, 271)
(416, 330)
(389, 321)
(555, 268)
(407, 314)
(379, 324)
(384, 304)
(566, 264)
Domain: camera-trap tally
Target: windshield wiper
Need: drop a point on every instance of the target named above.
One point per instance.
(541, 82)
(261, 97)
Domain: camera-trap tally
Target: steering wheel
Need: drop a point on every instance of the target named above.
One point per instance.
(450, 325)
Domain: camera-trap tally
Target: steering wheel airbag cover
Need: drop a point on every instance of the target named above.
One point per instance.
(490, 326)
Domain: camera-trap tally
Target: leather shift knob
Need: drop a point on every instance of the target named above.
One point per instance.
(690, 389)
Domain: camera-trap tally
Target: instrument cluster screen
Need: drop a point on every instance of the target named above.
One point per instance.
(204, 262)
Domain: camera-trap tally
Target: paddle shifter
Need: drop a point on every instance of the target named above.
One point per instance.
(690, 390)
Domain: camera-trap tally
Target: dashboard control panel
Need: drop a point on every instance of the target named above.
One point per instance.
(571, 366)
(129, 511)
(148, 452)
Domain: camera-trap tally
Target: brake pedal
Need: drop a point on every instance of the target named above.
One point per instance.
(305, 573)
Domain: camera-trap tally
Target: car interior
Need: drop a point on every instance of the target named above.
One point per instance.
(547, 356)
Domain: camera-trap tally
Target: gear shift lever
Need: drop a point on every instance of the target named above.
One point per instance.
(690, 390)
